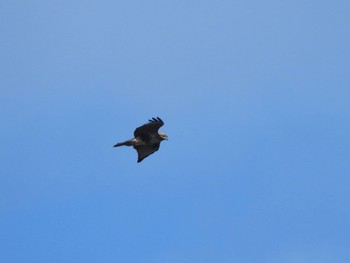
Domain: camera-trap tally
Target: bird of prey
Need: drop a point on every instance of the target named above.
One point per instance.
(146, 138)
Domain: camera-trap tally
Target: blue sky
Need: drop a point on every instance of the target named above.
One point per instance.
(255, 99)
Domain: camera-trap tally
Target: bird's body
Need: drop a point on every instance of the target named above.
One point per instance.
(146, 138)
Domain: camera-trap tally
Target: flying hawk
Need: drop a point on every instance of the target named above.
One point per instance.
(147, 138)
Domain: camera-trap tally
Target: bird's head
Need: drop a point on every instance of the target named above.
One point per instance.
(163, 136)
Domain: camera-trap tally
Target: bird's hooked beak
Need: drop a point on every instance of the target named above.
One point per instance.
(163, 136)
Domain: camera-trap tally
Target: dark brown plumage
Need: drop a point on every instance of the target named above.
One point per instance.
(146, 139)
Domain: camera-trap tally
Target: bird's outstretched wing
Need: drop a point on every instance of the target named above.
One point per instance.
(149, 128)
(146, 150)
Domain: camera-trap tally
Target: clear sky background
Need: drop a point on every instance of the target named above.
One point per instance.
(255, 96)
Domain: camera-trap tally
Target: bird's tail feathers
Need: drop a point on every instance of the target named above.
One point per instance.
(126, 143)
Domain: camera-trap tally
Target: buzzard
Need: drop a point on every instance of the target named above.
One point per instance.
(146, 138)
